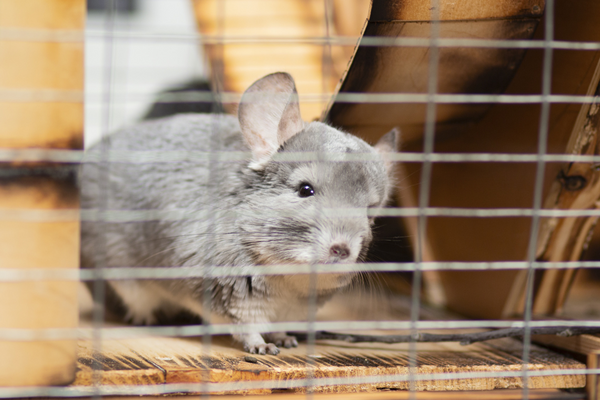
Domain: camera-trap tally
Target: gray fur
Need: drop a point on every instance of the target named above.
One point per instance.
(272, 224)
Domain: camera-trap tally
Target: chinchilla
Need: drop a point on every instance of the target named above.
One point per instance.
(261, 210)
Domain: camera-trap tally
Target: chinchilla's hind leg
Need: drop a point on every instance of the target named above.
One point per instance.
(140, 302)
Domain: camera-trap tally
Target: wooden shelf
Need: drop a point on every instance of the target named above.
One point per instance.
(535, 394)
(161, 360)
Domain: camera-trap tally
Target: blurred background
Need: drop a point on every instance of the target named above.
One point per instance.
(153, 48)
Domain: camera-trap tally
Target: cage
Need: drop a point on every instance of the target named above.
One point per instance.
(495, 196)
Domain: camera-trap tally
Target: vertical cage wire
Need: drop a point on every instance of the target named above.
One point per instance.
(425, 187)
(539, 178)
(99, 294)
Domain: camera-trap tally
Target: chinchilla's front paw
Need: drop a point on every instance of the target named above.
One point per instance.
(255, 344)
(282, 339)
(264, 348)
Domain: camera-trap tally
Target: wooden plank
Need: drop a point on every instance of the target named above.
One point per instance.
(57, 125)
(593, 381)
(116, 363)
(586, 345)
(187, 360)
(534, 394)
(563, 239)
(41, 95)
(583, 344)
(581, 304)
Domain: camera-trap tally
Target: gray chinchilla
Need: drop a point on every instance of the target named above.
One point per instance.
(260, 211)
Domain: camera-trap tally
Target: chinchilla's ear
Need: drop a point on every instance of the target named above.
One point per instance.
(269, 114)
(389, 143)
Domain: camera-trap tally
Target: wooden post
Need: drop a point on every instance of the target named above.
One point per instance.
(593, 361)
(576, 188)
(41, 106)
(587, 346)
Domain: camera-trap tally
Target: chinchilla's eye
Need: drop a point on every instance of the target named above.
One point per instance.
(305, 190)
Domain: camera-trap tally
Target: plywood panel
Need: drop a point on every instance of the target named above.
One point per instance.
(475, 128)
(398, 69)
(513, 129)
(274, 31)
(451, 10)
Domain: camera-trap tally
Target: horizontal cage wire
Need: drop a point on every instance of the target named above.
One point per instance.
(251, 246)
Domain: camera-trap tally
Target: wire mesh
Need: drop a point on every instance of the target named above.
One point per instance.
(112, 99)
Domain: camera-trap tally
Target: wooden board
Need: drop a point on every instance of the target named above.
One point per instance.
(151, 360)
(144, 361)
(582, 304)
(508, 394)
(586, 345)
(593, 381)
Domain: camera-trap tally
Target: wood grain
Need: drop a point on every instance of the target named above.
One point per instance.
(593, 381)
(153, 360)
(583, 344)
(450, 10)
(399, 69)
(237, 66)
(175, 360)
(534, 394)
(31, 243)
(461, 70)
(563, 239)
(33, 68)
(42, 14)
(588, 346)
(41, 106)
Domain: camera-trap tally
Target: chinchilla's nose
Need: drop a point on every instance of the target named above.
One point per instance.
(339, 251)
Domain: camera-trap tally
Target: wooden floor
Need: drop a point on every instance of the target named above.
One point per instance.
(146, 361)
(358, 367)
(505, 394)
